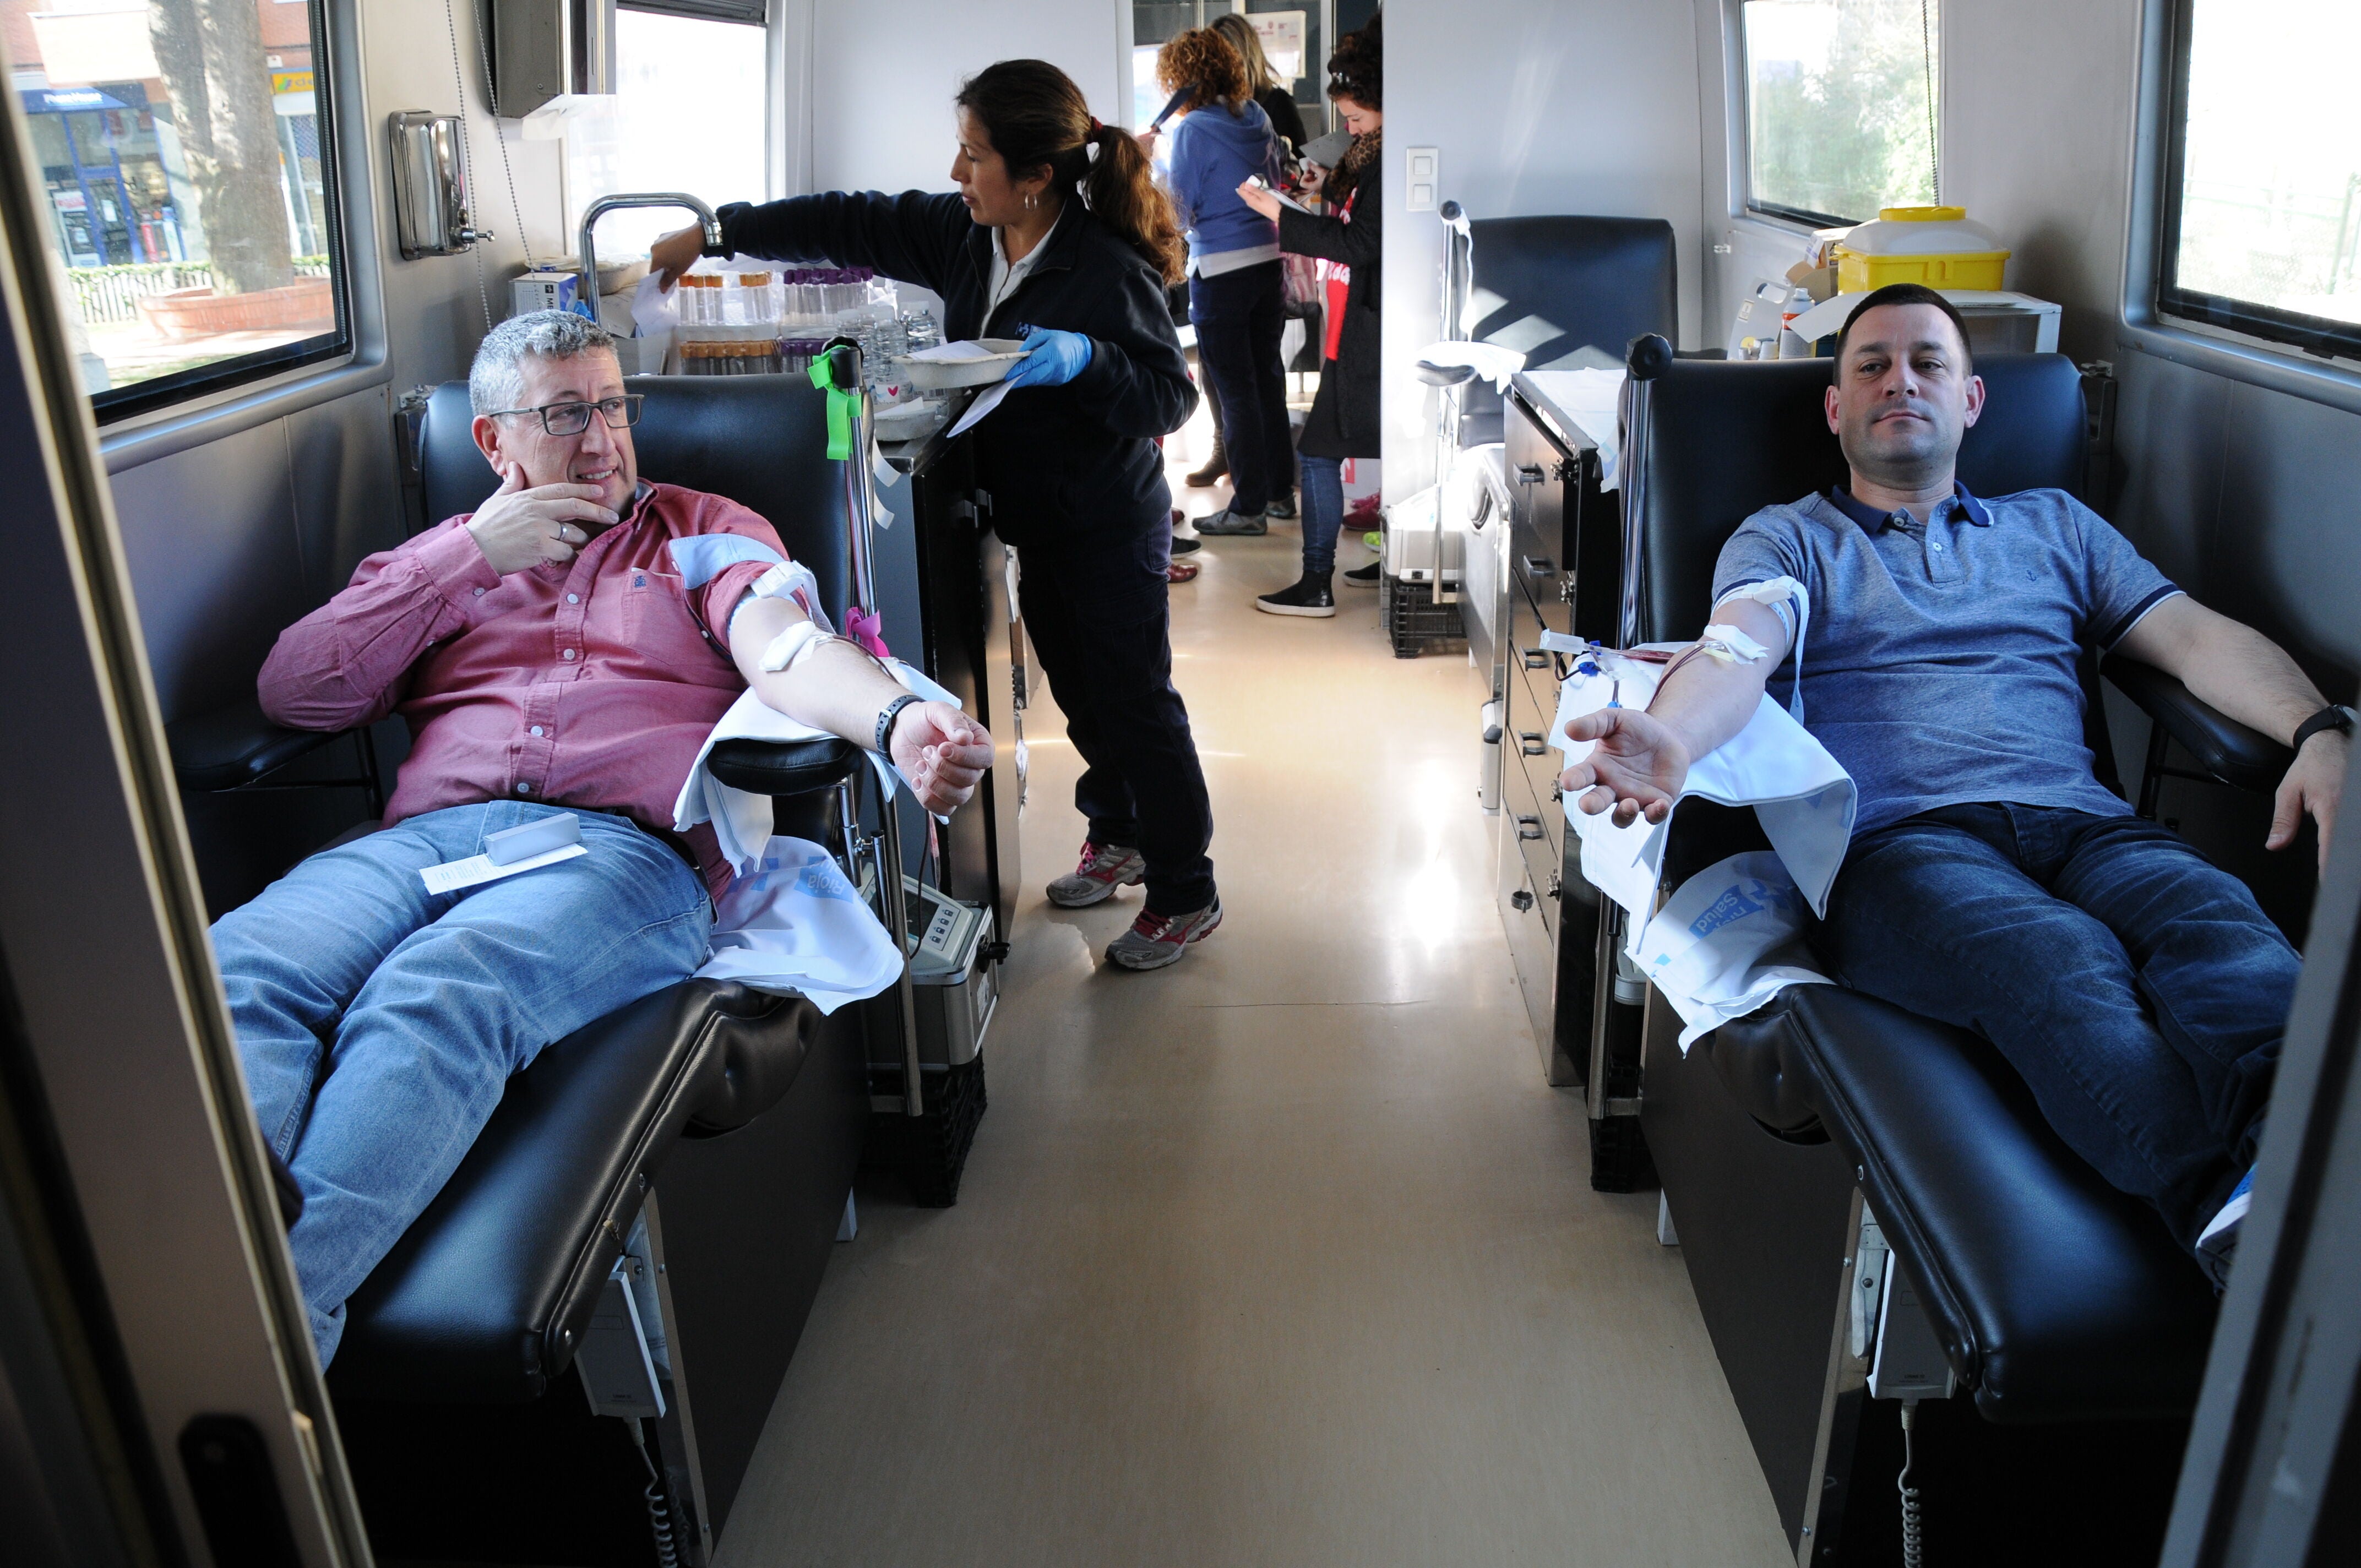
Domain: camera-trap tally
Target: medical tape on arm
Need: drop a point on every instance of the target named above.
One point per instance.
(1792, 603)
(791, 645)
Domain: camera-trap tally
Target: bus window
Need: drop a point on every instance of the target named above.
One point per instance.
(2262, 196)
(1842, 98)
(184, 156)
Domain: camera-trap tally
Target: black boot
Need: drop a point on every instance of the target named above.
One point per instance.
(1312, 595)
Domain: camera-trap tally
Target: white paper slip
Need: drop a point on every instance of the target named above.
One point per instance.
(984, 404)
(453, 875)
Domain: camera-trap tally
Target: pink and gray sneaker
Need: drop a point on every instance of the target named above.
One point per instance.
(1105, 868)
(1155, 941)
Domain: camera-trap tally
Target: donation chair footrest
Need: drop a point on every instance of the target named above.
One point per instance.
(2056, 1297)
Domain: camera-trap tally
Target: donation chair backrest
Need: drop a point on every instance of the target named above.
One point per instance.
(1553, 285)
(1727, 438)
(762, 441)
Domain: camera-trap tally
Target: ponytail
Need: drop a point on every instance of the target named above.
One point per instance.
(1038, 119)
(1119, 188)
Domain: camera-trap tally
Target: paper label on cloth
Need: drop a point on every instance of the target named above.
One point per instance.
(453, 875)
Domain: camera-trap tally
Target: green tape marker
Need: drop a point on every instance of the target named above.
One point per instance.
(842, 408)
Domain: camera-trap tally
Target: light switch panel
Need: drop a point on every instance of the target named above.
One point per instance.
(1422, 179)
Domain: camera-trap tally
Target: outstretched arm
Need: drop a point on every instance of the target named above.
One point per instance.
(1643, 759)
(837, 687)
(2249, 677)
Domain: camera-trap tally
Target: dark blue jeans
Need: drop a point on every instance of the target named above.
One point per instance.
(1239, 316)
(1324, 512)
(2138, 990)
(1099, 616)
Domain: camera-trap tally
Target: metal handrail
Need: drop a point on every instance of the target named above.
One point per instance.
(605, 204)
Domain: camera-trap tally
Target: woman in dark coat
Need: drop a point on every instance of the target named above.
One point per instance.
(1344, 421)
(1059, 234)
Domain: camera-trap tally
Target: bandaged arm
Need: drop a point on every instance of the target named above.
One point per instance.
(1713, 692)
(827, 682)
(1706, 697)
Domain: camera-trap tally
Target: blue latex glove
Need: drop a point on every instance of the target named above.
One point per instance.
(1055, 357)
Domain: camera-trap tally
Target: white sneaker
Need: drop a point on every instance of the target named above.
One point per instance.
(1105, 868)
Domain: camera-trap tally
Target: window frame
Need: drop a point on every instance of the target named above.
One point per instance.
(118, 405)
(2316, 337)
(1799, 219)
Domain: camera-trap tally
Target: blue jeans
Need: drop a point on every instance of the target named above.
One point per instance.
(2139, 991)
(1324, 512)
(378, 1022)
(1239, 317)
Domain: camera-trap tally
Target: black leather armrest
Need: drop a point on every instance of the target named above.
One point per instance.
(2056, 1297)
(2226, 747)
(484, 1299)
(236, 745)
(784, 767)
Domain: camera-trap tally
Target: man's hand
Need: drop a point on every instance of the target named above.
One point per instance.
(676, 253)
(942, 751)
(2312, 784)
(519, 528)
(1638, 767)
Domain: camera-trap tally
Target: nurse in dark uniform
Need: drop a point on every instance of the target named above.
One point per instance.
(1059, 235)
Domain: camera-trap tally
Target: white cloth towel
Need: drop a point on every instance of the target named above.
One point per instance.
(1804, 798)
(794, 922)
(742, 820)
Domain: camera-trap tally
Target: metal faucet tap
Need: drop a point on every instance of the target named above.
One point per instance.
(605, 204)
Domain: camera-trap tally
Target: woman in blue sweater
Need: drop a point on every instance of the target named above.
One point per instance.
(1234, 295)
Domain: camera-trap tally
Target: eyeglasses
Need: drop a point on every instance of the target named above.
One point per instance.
(573, 419)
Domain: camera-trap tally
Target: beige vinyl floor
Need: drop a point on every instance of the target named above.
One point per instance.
(1284, 1254)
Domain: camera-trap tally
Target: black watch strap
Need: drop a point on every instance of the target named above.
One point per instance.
(2333, 717)
(893, 711)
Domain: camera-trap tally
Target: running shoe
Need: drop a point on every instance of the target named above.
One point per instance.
(1155, 941)
(2217, 1245)
(1230, 521)
(1105, 868)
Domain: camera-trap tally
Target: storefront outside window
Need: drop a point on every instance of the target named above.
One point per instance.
(181, 159)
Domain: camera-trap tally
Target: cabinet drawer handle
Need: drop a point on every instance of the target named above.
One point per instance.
(1530, 743)
(1540, 566)
(1536, 658)
(1521, 901)
(1529, 473)
(1529, 827)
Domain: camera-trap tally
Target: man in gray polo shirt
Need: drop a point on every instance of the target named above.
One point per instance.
(1992, 883)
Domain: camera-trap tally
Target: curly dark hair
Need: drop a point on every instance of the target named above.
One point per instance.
(1357, 68)
(1207, 63)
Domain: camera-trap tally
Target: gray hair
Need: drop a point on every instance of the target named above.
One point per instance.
(495, 381)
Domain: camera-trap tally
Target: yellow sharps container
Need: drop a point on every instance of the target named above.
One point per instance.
(1938, 247)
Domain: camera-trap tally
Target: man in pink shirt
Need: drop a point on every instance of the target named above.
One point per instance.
(565, 648)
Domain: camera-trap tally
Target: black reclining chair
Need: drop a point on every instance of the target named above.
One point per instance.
(475, 1354)
(2054, 1302)
(1598, 282)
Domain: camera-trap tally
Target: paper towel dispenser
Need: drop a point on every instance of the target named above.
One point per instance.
(430, 184)
(548, 52)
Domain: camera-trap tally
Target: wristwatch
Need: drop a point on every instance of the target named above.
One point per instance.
(893, 711)
(2335, 715)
